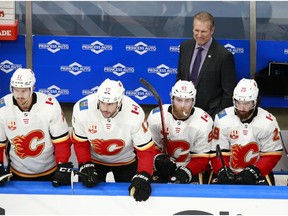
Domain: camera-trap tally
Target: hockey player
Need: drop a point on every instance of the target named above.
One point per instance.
(34, 133)
(110, 135)
(249, 140)
(189, 133)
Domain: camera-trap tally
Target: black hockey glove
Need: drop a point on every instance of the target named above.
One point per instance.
(226, 178)
(3, 172)
(88, 174)
(62, 175)
(140, 187)
(164, 166)
(248, 176)
(183, 175)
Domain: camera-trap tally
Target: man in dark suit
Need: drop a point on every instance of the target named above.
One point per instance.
(216, 78)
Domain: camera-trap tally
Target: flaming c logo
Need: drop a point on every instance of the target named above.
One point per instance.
(179, 149)
(242, 156)
(107, 147)
(23, 144)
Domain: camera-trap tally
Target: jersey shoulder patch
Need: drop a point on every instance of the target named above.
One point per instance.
(49, 100)
(83, 105)
(221, 114)
(2, 102)
(135, 109)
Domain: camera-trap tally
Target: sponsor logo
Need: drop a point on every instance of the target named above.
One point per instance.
(90, 91)
(7, 66)
(97, 47)
(174, 49)
(140, 93)
(55, 91)
(233, 49)
(75, 68)
(119, 69)
(162, 70)
(53, 46)
(140, 48)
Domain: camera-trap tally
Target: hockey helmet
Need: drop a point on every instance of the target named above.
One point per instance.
(184, 89)
(246, 90)
(23, 78)
(110, 91)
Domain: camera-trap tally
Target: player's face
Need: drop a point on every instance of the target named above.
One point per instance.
(244, 109)
(22, 96)
(202, 31)
(108, 109)
(182, 107)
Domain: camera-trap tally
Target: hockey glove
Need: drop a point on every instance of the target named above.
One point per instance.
(226, 178)
(164, 166)
(183, 175)
(140, 187)
(248, 176)
(88, 174)
(62, 175)
(3, 172)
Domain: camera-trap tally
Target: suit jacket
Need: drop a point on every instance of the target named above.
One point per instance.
(217, 76)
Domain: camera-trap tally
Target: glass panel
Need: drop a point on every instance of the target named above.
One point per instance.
(133, 18)
(271, 21)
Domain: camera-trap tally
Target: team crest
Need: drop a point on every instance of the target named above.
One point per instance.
(234, 134)
(92, 129)
(12, 125)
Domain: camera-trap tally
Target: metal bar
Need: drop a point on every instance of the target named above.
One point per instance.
(28, 41)
(253, 44)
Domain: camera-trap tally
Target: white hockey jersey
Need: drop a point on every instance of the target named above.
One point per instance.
(112, 140)
(188, 139)
(31, 135)
(247, 143)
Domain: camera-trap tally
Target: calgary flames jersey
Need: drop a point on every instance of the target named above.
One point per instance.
(32, 137)
(189, 140)
(111, 140)
(243, 144)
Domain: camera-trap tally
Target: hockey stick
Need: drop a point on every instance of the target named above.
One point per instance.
(7, 176)
(219, 154)
(157, 97)
(75, 179)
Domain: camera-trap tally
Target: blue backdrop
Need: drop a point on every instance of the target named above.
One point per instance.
(71, 67)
